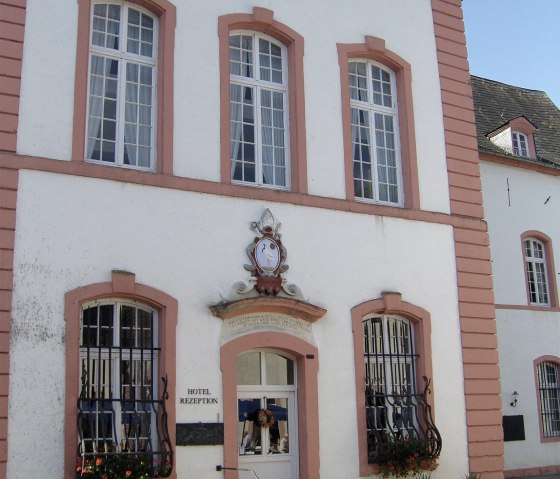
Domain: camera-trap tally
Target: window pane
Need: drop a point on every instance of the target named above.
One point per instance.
(279, 370)
(249, 369)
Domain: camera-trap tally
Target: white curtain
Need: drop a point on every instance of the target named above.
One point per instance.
(236, 122)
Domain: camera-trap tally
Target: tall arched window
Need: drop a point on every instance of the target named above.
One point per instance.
(392, 355)
(375, 132)
(120, 374)
(537, 278)
(548, 382)
(122, 86)
(258, 110)
(378, 125)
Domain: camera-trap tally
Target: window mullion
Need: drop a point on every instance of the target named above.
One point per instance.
(258, 136)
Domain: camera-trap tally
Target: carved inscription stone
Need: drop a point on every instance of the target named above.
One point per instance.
(255, 322)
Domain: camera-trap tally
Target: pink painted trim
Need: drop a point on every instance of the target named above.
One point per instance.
(544, 309)
(264, 304)
(12, 32)
(122, 285)
(261, 20)
(389, 303)
(532, 471)
(374, 49)
(536, 362)
(89, 170)
(520, 162)
(307, 359)
(8, 202)
(476, 308)
(550, 270)
(166, 13)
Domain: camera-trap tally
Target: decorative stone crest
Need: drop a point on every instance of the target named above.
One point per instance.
(267, 255)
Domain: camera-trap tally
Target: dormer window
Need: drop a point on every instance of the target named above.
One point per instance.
(515, 137)
(519, 144)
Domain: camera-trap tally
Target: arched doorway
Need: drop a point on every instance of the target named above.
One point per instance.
(267, 414)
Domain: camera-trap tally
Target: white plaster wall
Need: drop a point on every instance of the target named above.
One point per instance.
(73, 231)
(524, 336)
(509, 216)
(46, 107)
(47, 79)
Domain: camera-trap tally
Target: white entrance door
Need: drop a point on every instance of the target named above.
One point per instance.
(267, 418)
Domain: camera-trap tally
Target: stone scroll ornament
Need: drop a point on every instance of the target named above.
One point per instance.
(267, 255)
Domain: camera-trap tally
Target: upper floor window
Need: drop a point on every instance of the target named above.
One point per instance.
(536, 269)
(515, 137)
(520, 144)
(259, 148)
(375, 133)
(548, 381)
(122, 86)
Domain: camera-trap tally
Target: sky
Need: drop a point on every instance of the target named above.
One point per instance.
(515, 42)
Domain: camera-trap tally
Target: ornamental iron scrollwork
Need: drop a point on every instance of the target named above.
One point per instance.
(400, 420)
(143, 446)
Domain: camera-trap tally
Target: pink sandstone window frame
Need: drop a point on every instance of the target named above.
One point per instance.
(122, 285)
(374, 49)
(550, 270)
(307, 363)
(389, 303)
(544, 359)
(166, 13)
(261, 20)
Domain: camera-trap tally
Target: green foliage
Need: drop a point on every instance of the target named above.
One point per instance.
(405, 457)
(116, 466)
(473, 475)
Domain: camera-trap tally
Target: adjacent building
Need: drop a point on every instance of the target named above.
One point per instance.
(519, 145)
(245, 237)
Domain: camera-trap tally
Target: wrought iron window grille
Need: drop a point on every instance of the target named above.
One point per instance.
(136, 447)
(397, 419)
(122, 424)
(397, 416)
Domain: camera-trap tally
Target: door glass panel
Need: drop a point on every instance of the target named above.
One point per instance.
(277, 434)
(279, 370)
(249, 369)
(248, 430)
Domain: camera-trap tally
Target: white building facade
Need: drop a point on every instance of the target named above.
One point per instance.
(211, 210)
(520, 188)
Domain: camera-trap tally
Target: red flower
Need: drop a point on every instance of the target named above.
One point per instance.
(128, 473)
(98, 461)
(79, 469)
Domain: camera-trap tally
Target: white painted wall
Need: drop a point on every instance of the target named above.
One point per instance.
(523, 335)
(510, 216)
(73, 231)
(46, 108)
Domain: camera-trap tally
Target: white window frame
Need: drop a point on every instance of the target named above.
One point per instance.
(112, 355)
(258, 85)
(372, 109)
(549, 398)
(124, 58)
(387, 359)
(520, 144)
(536, 273)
